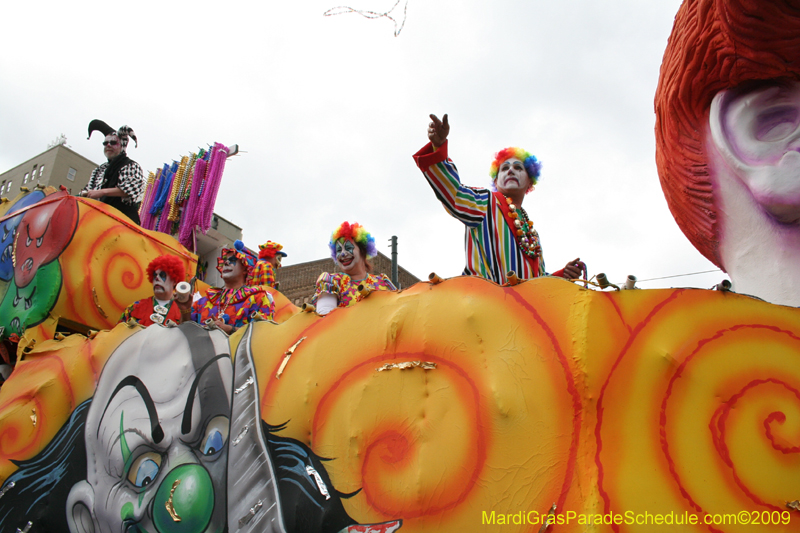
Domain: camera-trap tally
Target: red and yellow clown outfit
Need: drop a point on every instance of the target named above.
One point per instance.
(340, 284)
(150, 311)
(264, 271)
(235, 307)
(493, 243)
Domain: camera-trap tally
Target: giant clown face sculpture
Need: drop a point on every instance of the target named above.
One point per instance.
(156, 436)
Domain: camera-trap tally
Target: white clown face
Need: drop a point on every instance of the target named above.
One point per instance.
(512, 177)
(233, 269)
(348, 255)
(157, 436)
(163, 285)
(759, 135)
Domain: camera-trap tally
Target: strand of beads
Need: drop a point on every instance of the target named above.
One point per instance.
(524, 230)
(176, 185)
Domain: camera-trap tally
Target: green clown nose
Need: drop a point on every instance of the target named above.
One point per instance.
(184, 501)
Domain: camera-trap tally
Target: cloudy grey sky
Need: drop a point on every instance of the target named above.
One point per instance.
(329, 110)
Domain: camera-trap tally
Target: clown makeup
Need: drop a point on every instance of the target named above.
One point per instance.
(512, 177)
(349, 258)
(163, 285)
(112, 150)
(146, 436)
(232, 268)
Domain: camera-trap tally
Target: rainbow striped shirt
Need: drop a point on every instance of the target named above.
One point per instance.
(491, 246)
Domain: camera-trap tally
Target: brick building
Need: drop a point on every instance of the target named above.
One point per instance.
(297, 281)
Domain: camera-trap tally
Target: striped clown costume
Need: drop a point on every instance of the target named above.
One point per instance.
(493, 246)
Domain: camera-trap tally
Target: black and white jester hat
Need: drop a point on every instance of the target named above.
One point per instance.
(123, 133)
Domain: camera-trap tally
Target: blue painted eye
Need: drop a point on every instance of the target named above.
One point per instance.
(144, 469)
(216, 435)
(213, 443)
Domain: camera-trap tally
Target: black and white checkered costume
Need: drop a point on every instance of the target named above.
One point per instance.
(131, 181)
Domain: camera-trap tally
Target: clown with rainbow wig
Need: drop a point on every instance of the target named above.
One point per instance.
(351, 248)
(500, 238)
(164, 272)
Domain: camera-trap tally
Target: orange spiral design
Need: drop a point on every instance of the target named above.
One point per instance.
(433, 447)
(105, 266)
(51, 380)
(703, 396)
(752, 396)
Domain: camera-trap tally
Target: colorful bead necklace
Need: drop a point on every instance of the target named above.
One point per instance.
(528, 239)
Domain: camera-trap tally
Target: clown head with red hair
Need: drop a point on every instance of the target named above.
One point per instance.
(165, 272)
(272, 252)
(728, 139)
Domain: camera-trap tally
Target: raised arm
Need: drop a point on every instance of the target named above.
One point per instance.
(467, 204)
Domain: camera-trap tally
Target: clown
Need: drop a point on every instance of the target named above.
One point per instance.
(164, 272)
(728, 140)
(119, 182)
(269, 260)
(236, 304)
(351, 248)
(500, 238)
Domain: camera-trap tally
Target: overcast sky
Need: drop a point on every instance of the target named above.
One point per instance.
(329, 110)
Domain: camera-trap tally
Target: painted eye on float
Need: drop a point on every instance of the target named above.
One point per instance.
(144, 469)
(39, 241)
(216, 436)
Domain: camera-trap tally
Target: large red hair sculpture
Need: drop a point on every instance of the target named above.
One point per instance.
(714, 45)
(170, 264)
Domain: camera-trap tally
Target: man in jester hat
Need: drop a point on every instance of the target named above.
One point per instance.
(236, 304)
(500, 238)
(269, 260)
(164, 272)
(120, 181)
(351, 248)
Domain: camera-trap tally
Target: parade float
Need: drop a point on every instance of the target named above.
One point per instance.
(453, 405)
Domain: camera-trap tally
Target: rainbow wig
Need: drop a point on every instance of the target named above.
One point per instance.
(532, 165)
(170, 264)
(359, 235)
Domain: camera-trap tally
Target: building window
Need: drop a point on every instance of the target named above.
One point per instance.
(41, 171)
(25, 179)
(71, 174)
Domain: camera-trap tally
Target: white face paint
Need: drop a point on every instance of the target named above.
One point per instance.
(348, 256)
(233, 269)
(512, 177)
(159, 414)
(163, 285)
(760, 136)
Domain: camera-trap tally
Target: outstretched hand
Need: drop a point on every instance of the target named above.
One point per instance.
(574, 268)
(438, 130)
